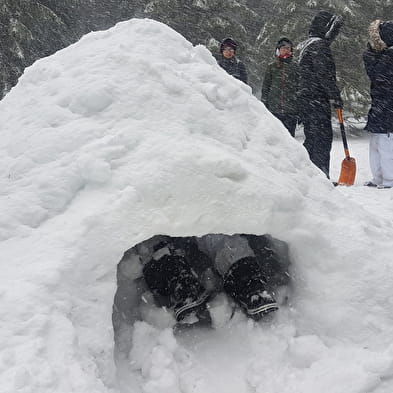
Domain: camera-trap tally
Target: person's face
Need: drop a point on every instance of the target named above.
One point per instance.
(228, 52)
(285, 51)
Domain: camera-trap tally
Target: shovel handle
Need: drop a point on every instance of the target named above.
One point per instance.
(342, 128)
(340, 115)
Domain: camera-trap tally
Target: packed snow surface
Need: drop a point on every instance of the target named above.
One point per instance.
(133, 132)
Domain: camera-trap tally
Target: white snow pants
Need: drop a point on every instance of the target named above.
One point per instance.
(381, 158)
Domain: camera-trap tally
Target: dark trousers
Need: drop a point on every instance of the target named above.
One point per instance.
(318, 134)
(289, 122)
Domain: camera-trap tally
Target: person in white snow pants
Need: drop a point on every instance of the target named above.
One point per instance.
(378, 61)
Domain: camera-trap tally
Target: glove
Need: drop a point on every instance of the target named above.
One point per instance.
(336, 103)
(334, 27)
(337, 22)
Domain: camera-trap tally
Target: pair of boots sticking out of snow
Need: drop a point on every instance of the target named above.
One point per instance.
(184, 278)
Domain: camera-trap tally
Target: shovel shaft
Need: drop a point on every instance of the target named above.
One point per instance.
(342, 129)
(348, 165)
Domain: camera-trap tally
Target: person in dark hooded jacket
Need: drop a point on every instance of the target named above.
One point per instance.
(378, 61)
(280, 86)
(230, 63)
(318, 89)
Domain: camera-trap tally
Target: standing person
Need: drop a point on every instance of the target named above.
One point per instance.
(378, 61)
(229, 62)
(318, 88)
(280, 85)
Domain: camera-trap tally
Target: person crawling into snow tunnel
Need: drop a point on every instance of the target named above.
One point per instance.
(176, 278)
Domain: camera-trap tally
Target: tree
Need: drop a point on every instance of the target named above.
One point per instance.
(33, 29)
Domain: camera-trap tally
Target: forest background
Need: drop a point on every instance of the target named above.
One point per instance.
(30, 30)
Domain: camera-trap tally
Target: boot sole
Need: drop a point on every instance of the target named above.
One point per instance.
(264, 309)
(184, 310)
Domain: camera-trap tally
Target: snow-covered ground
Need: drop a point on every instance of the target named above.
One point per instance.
(375, 203)
(134, 132)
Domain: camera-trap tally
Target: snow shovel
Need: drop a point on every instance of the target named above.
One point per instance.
(348, 165)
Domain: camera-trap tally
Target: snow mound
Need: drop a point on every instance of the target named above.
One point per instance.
(134, 102)
(134, 132)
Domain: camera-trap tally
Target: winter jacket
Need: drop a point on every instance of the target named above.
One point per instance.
(317, 73)
(379, 68)
(317, 67)
(235, 68)
(280, 85)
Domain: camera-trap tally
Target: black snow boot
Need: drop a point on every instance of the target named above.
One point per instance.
(172, 277)
(245, 282)
(258, 304)
(194, 303)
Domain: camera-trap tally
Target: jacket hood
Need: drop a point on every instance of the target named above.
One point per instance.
(320, 24)
(386, 32)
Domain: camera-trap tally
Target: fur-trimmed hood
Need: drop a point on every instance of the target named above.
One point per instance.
(374, 38)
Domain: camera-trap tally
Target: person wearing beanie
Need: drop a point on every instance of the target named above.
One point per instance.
(229, 62)
(280, 86)
(378, 61)
(318, 88)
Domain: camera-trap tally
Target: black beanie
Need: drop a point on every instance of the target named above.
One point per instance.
(320, 24)
(228, 42)
(284, 42)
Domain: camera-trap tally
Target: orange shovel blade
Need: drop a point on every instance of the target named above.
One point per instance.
(348, 172)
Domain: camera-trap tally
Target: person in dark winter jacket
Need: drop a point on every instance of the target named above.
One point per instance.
(280, 86)
(378, 61)
(229, 62)
(318, 89)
